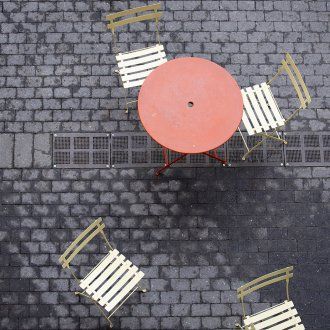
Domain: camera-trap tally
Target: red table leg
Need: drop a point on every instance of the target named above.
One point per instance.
(215, 157)
(167, 163)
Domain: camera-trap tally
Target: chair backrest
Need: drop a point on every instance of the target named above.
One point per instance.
(135, 66)
(283, 274)
(297, 80)
(82, 240)
(139, 14)
(280, 317)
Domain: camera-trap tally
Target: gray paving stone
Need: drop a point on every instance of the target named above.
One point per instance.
(23, 150)
(6, 150)
(170, 323)
(191, 323)
(42, 150)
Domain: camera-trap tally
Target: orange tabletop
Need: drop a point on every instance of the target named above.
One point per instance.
(190, 105)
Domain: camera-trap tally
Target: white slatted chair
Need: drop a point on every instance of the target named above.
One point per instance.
(134, 66)
(112, 281)
(261, 113)
(278, 317)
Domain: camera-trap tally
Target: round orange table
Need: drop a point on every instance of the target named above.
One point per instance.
(190, 105)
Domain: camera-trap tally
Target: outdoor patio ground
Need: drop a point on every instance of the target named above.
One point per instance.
(197, 233)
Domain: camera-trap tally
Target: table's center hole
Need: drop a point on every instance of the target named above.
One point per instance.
(190, 104)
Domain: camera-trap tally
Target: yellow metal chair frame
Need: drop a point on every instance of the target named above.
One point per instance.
(96, 228)
(134, 15)
(288, 66)
(129, 16)
(284, 274)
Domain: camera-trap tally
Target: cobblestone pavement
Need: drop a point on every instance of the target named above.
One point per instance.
(197, 233)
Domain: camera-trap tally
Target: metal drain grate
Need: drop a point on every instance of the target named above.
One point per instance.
(134, 149)
(307, 149)
(137, 149)
(269, 153)
(84, 150)
(131, 149)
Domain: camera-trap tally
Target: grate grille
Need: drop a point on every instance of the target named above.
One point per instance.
(269, 153)
(101, 142)
(61, 142)
(81, 142)
(81, 150)
(131, 149)
(137, 149)
(307, 148)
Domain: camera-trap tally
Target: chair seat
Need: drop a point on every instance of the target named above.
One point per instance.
(135, 66)
(279, 317)
(261, 111)
(112, 280)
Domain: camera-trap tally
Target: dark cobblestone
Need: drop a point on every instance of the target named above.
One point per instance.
(198, 234)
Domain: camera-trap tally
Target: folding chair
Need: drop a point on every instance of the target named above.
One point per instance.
(134, 66)
(112, 281)
(279, 317)
(261, 112)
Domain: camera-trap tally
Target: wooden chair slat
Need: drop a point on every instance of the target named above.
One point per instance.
(288, 324)
(265, 107)
(251, 93)
(125, 291)
(281, 318)
(118, 286)
(143, 67)
(105, 274)
(250, 113)
(141, 60)
(139, 52)
(273, 104)
(138, 75)
(135, 83)
(99, 268)
(110, 281)
(257, 317)
(135, 66)
(247, 124)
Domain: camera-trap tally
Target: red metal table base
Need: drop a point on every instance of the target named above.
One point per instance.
(168, 164)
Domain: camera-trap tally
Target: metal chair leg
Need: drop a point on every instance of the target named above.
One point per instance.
(96, 304)
(253, 148)
(167, 165)
(110, 323)
(269, 136)
(126, 111)
(214, 156)
(296, 112)
(142, 289)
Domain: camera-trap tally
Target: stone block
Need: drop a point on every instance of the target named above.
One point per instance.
(6, 150)
(23, 153)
